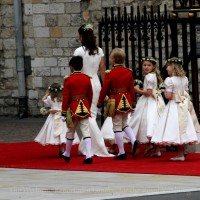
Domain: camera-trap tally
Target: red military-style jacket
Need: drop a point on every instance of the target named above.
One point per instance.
(77, 95)
(119, 85)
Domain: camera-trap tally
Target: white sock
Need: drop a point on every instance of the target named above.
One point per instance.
(87, 147)
(68, 147)
(128, 130)
(120, 142)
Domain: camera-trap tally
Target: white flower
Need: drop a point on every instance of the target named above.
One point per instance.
(43, 111)
(88, 26)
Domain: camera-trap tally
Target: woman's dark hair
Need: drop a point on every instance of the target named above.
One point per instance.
(88, 38)
(76, 62)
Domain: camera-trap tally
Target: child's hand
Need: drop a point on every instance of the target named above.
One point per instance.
(137, 89)
(63, 118)
(99, 111)
(106, 98)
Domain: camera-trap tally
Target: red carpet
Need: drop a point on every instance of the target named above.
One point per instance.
(31, 155)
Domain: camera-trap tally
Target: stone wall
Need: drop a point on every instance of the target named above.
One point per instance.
(50, 37)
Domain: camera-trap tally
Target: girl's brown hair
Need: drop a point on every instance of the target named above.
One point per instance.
(55, 91)
(156, 68)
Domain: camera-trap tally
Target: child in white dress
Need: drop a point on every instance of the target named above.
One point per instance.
(149, 107)
(54, 129)
(178, 124)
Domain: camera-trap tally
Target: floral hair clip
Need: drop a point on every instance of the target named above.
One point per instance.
(88, 27)
(55, 89)
(149, 59)
(174, 60)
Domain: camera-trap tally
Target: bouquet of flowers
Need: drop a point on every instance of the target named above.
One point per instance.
(138, 83)
(43, 111)
(161, 87)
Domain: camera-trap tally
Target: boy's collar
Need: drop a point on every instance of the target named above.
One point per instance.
(76, 72)
(117, 65)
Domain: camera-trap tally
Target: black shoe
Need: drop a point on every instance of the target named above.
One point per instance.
(121, 157)
(61, 153)
(135, 146)
(87, 161)
(67, 159)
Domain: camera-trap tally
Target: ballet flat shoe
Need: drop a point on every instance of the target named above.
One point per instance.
(178, 158)
(155, 154)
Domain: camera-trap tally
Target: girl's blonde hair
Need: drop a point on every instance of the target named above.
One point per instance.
(177, 64)
(156, 69)
(55, 91)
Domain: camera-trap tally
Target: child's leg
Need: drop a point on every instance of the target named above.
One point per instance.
(68, 147)
(84, 126)
(180, 156)
(128, 130)
(87, 142)
(120, 142)
(61, 149)
(149, 148)
(156, 152)
(117, 128)
(70, 138)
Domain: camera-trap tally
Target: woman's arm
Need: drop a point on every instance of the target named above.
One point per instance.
(102, 69)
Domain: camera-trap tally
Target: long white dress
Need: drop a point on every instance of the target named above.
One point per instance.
(91, 67)
(148, 109)
(54, 129)
(178, 124)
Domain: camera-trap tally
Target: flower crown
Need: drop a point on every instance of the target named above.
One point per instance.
(87, 27)
(174, 60)
(55, 89)
(149, 59)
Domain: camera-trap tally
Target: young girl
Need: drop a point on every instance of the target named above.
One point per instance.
(149, 107)
(54, 130)
(178, 124)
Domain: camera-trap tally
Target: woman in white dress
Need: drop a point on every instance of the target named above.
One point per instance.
(93, 61)
(149, 107)
(54, 129)
(178, 124)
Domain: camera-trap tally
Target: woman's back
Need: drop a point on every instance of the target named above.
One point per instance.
(90, 62)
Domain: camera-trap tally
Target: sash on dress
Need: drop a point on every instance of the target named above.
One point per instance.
(58, 124)
(185, 105)
(159, 101)
(183, 101)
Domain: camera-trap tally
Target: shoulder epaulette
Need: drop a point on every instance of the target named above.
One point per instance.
(67, 76)
(129, 69)
(108, 71)
(88, 76)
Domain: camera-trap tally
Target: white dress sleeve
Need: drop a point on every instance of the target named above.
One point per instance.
(48, 101)
(101, 53)
(150, 80)
(186, 85)
(79, 51)
(168, 84)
